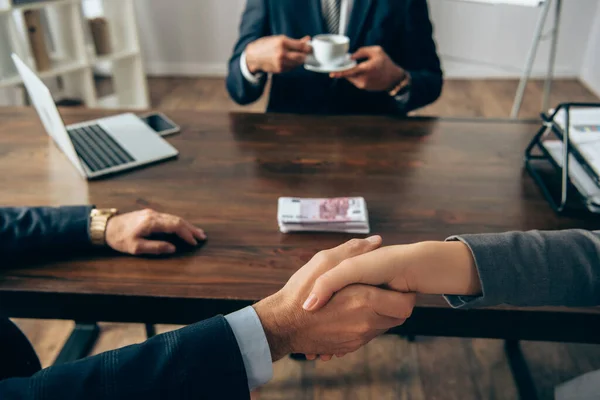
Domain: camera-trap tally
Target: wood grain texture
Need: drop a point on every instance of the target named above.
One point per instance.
(423, 179)
(389, 355)
(493, 98)
(489, 98)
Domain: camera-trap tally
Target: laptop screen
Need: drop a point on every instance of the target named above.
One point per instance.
(44, 104)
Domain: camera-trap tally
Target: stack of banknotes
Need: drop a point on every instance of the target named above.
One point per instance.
(341, 214)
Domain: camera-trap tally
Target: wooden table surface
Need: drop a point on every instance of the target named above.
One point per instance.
(423, 179)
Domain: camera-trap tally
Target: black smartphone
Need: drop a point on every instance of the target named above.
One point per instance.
(160, 123)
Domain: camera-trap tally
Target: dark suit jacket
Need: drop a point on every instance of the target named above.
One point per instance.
(401, 27)
(201, 361)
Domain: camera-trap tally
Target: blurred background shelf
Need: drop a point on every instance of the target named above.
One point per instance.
(10, 81)
(109, 101)
(58, 68)
(38, 5)
(80, 39)
(5, 6)
(115, 56)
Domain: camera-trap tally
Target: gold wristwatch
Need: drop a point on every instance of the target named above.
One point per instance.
(402, 87)
(98, 220)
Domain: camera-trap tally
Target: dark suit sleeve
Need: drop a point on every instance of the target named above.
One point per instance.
(420, 56)
(560, 268)
(201, 361)
(254, 25)
(27, 230)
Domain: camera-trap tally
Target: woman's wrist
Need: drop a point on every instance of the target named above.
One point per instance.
(444, 268)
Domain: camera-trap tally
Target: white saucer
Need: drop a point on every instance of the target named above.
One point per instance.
(313, 65)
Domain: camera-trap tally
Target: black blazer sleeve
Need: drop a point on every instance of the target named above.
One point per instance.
(420, 55)
(27, 230)
(201, 361)
(254, 25)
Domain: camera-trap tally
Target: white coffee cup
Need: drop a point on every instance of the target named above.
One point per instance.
(330, 49)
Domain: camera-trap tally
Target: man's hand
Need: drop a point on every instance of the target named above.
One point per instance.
(377, 73)
(277, 54)
(427, 267)
(352, 318)
(128, 233)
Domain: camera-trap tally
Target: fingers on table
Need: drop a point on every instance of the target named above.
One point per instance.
(144, 246)
(165, 223)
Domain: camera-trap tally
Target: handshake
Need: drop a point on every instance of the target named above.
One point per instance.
(341, 299)
(346, 296)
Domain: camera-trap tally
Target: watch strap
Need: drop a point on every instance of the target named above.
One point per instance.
(402, 87)
(98, 222)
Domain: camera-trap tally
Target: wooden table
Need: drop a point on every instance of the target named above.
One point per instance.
(423, 179)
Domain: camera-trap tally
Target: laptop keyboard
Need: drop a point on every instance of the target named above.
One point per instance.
(98, 149)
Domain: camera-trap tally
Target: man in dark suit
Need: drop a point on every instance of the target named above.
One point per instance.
(400, 72)
(220, 358)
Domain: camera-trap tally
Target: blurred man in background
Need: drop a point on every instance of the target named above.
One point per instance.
(398, 71)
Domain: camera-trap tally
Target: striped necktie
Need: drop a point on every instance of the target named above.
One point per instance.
(331, 15)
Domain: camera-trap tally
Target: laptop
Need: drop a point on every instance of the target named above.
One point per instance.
(99, 147)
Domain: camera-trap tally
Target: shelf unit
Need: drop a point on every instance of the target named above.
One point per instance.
(72, 52)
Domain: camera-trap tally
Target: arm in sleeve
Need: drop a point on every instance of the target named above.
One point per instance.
(420, 57)
(201, 361)
(252, 341)
(560, 268)
(254, 25)
(25, 230)
(250, 77)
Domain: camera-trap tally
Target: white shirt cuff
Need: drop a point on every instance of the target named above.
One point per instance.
(402, 99)
(250, 77)
(253, 345)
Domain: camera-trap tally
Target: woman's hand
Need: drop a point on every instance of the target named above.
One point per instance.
(427, 267)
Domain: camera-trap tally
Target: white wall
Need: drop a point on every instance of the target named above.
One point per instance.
(495, 39)
(188, 37)
(195, 37)
(8, 96)
(590, 71)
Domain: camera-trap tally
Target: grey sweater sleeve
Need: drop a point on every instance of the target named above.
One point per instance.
(560, 268)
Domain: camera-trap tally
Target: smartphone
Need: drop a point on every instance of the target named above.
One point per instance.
(160, 123)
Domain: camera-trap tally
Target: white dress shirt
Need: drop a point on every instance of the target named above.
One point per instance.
(251, 339)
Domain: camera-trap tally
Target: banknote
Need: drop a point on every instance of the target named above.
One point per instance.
(340, 209)
(340, 214)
